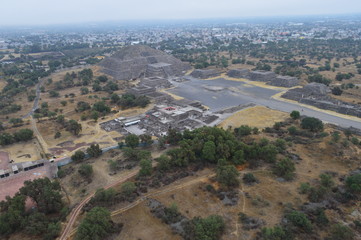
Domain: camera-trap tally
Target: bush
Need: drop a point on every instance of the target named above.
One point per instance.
(304, 188)
(132, 141)
(78, 156)
(299, 220)
(341, 232)
(210, 228)
(275, 233)
(285, 168)
(243, 130)
(128, 188)
(86, 170)
(353, 183)
(249, 178)
(228, 176)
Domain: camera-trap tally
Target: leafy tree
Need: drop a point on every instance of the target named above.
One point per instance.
(227, 175)
(238, 157)
(23, 135)
(210, 228)
(353, 183)
(132, 141)
(249, 178)
(37, 224)
(44, 193)
(16, 121)
(83, 106)
(163, 163)
(299, 220)
(114, 98)
(209, 152)
(102, 78)
(146, 139)
(6, 138)
(341, 232)
(73, 127)
(86, 170)
(135, 155)
(96, 87)
(53, 231)
(84, 90)
(336, 91)
(78, 156)
(60, 119)
(57, 135)
(285, 168)
(95, 115)
(312, 124)
(292, 130)
(94, 150)
(54, 94)
(145, 167)
(326, 181)
(295, 115)
(96, 225)
(128, 188)
(101, 107)
(275, 233)
(243, 130)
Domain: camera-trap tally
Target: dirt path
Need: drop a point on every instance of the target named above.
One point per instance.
(153, 194)
(76, 211)
(42, 143)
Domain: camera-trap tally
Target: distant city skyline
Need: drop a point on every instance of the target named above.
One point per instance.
(46, 12)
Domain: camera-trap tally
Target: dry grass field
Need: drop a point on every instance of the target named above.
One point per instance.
(259, 116)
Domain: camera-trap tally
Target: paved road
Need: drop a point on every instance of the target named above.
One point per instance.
(36, 100)
(236, 93)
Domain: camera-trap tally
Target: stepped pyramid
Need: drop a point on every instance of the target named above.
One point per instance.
(140, 61)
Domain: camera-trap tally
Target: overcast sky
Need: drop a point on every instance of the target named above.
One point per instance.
(24, 12)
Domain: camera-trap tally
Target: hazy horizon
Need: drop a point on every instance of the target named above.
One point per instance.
(44, 12)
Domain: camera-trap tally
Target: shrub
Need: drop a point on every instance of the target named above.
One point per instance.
(299, 220)
(285, 168)
(341, 232)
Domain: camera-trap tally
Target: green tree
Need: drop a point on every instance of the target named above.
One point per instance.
(78, 156)
(74, 127)
(353, 183)
(128, 188)
(145, 167)
(312, 124)
(45, 193)
(227, 175)
(285, 168)
(163, 163)
(101, 107)
(210, 228)
(94, 150)
(275, 233)
(132, 141)
(209, 152)
(23, 135)
(299, 220)
(295, 115)
(341, 232)
(146, 140)
(96, 225)
(86, 170)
